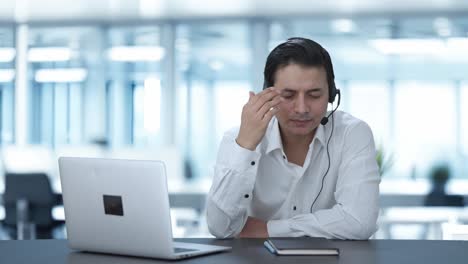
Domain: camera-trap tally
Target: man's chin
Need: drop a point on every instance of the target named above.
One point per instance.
(300, 131)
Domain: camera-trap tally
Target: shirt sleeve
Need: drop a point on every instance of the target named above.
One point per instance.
(354, 216)
(231, 192)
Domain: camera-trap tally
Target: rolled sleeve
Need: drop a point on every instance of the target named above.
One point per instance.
(279, 228)
(231, 192)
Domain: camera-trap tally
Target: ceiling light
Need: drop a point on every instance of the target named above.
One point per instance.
(136, 53)
(408, 46)
(60, 75)
(343, 25)
(49, 54)
(7, 75)
(7, 54)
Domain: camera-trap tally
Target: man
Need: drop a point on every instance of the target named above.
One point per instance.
(292, 169)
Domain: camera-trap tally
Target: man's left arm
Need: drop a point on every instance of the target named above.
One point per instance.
(354, 216)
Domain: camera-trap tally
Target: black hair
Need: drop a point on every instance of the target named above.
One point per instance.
(301, 51)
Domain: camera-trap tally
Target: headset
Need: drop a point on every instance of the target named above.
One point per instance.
(333, 92)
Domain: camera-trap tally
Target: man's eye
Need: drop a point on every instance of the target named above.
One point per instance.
(287, 96)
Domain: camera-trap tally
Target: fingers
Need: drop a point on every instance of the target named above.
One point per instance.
(269, 115)
(251, 95)
(264, 105)
(257, 96)
(253, 126)
(269, 106)
(264, 97)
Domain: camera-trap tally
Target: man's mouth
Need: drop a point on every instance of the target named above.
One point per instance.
(300, 122)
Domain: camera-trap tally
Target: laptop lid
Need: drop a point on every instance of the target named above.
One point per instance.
(117, 206)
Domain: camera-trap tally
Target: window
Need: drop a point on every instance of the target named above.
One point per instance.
(464, 119)
(369, 101)
(425, 125)
(146, 112)
(7, 78)
(230, 97)
(213, 66)
(184, 83)
(135, 89)
(61, 79)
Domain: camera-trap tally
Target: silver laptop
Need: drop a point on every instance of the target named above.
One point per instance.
(121, 207)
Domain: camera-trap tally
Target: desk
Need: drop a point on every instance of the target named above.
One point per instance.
(252, 251)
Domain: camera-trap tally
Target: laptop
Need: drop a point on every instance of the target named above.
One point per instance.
(121, 207)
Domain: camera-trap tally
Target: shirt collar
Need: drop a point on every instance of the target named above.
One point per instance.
(274, 137)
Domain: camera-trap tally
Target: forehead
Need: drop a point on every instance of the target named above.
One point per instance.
(299, 77)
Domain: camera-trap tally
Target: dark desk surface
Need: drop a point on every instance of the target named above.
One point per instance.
(251, 251)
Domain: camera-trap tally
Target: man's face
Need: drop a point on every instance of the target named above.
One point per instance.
(305, 90)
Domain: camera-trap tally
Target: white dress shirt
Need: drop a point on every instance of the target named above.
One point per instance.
(264, 185)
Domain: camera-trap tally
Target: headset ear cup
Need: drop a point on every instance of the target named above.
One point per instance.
(332, 95)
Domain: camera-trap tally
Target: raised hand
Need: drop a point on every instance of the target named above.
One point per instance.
(256, 114)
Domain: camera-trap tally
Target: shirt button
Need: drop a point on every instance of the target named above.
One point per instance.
(252, 163)
(246, 196)
(294, 208)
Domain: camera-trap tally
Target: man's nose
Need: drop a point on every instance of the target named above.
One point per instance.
(301, 106)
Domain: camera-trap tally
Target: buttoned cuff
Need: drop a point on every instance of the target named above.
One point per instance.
(242, 159)
(278, 228)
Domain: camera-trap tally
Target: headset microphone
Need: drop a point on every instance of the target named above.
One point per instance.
(324, 120)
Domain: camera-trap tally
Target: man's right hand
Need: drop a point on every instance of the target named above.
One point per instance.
(256, 115)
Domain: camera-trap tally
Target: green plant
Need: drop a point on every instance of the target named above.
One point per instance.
(384, 160)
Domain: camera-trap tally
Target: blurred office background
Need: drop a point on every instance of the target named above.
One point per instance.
(160, 79)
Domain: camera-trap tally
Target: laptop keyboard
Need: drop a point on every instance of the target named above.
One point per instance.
(180, 250)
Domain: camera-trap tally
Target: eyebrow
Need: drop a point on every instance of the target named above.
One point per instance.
(287, 90)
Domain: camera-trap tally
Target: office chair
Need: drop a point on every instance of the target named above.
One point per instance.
(28, 199)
